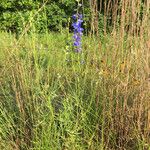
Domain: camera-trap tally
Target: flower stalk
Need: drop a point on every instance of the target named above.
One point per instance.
(77, 31)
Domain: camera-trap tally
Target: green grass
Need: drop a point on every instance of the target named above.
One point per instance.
(48, 103)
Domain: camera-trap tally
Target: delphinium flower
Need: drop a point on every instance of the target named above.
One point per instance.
(77, 32)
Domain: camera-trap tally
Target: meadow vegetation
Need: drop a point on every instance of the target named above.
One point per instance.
(52, 98)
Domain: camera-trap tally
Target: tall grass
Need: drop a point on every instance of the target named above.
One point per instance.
(51, 98)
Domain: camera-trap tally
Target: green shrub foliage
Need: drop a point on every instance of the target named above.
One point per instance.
(45, 15)
(15, 15)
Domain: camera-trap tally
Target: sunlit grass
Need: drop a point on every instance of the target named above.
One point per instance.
(52, 98)
(48, 102)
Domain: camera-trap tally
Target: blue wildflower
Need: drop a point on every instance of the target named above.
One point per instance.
(77, 31)
(80, 16)
(74, 16)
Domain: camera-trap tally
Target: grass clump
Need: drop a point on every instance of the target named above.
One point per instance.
(50, 103)
(53, 98)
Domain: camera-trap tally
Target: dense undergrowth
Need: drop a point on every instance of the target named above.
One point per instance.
(52, 98)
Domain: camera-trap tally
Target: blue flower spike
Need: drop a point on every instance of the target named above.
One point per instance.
(77, 32)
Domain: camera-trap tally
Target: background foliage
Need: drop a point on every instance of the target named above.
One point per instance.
(54, 15)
